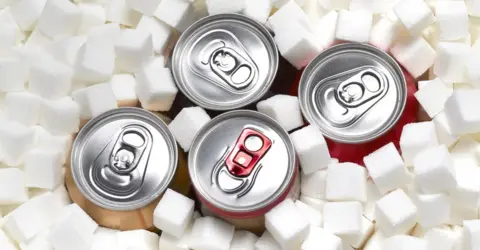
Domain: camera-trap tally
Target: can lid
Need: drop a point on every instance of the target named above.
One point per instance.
(124, 159)
(242, 161)
(225, 61)
(353, 92)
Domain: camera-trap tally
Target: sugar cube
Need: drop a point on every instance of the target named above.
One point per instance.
(314, 10)
(38, 39)
(95, 62)
(117, 11)
(50, 79)
(439, 238)
(460, 213)
(92, 15)
(7, 19)
(319, 238)
(43, 168)
(123, 86)
(372, 6)
(267, 242)
(450, 62)
(354, 26)
(404, 242)
(14, 73)
(7, 37)
(375, 242)
(100, 99)
(373, 195)
(452, 20)
(461, 113)
(209, 233)
(216, 7)
(433, 96)
(357, 241)
(444, 132)
(168, 241)
(284, 109)
(23, 107)
(433, 209)
(346, 182)
(314, 216)
(160, 32)
(5, 242)
(59, 19)
(173, 213)
(107, 33)
(60, 116)
(415, 54)
(313, 185)
(27, 12)
(471, 231)
(186, 124)
(414, 15)
(289, 13)
(146, 7)
(343, 219)
(133, 49)
(311, 149)
(15, 140)
(60, 143)
(155, 87)
(105, 239)
(177, 13)
(384, 33)
(387, 168)
(335, 4)
(317, 204)
(395, 213)
(467, 191)
(473, 7)
(415, 138)
(66, 50)
(138, 239)
(243, 240)
(258, 10)
(12, 184)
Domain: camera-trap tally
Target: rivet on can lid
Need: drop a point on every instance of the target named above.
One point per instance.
(224, 62)
(353, 92)
(124, 159)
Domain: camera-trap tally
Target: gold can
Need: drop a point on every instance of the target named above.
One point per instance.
(121, 164)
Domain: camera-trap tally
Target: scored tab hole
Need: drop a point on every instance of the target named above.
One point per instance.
(371, 82)
(134, 139)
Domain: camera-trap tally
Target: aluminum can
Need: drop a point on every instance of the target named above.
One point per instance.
(353, 92)
(224, 62)
(121, 164)
(243, 163)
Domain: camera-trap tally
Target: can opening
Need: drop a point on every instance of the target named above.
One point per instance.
(133, 138)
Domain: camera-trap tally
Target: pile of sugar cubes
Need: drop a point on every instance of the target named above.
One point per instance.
(64, 62)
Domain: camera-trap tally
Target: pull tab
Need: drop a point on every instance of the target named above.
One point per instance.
(235, 70)
(361, 88)
(118, 171)
(238, 168)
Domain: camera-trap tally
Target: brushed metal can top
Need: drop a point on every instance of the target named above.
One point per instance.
(353, 92)
(124, 159)
(242, 161)
(224, 62)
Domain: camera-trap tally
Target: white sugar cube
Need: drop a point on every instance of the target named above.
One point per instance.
(404, 242)
(415, 138)
(7, 37)
(80, 97)
(38, 39)
(15, 140)
(100, 99)
(433, 96)
(209, 233)
(159, 31)
(314, 10)
(146, 7)
(373, 195)
(173, 213)
(12, 184)
(66, 50)
(473, 7)
(133, 49)
(267, 242)
(123, 86)
(325, 29)
(284, 109)
(464, 153)
(95, 62)
(168, 241)
(335, 4)
(473, 75)
(354, 26)
(23, 107)
(459, 214)
(39, 242)
(155, 87)
(368, 229)
(414, 15)
(372, 6)
(107, 33)
(105, 239)
(50, 79)
(314, 216)
(338, 175)
(444, 133)
(319, 238)
(6, 243)
(343, 219)
(387, 169)
(300, 49)
(375, 242)
(179, 14)
(289, 13)
(60, 116)
(384, 33)
(59, 19)
(313, 185)
(450, 61)
(7, 19)
(92, 15)
(186, 124)
(415, 54)
(433, 209)
(467, 191)
(60, 143)
(287, 224)
(43, 168)
(461, 111)
(119, 12)
(32, 217)
(258, 10)
(311, 149)
(439, 238)
(138, 239)
(243, 240)
(216, 7)
(61, 194)
(14, 74)
(317, 204)
(471, 234)
(27, 12)
(452, 20)
(434, 170)
(395, 213)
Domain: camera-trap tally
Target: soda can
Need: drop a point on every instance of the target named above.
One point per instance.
(353, 92)
(243, 163)
(121, 164)
(224, 62)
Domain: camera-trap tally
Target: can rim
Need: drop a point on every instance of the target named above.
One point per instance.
(316, 62)
(290, 177)
(84, 134)
(196, 27)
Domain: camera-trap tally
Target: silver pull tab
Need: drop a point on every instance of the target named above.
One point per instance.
(361, 88)
(235, 70)
(119, 169)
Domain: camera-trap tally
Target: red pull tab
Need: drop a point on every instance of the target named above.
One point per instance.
(249, 149)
